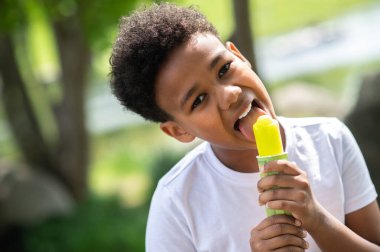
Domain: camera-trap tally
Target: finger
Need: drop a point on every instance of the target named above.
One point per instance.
(290, 248)
(289, 194)
(277, 219)
(282, 166)
(282, 229)
(285, 241)
(282, 180)
(290, 206)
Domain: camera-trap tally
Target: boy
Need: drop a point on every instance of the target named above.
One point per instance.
(169, 65)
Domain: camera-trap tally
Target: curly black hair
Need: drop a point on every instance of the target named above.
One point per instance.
(145, 40)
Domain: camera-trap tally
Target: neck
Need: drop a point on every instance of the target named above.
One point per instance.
(237, 160)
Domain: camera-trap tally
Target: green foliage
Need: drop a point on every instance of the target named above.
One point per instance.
(98, 18)
(104, 224)
(11, 16)
(98, 224)
(130, 149)
(219, 12)
(163, 162)
(129, 161)
(126, 150)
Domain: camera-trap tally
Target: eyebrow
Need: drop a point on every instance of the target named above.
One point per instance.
(188, 95)
(216, 59)
(192, 90)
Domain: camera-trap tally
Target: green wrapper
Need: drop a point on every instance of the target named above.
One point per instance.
(262, 160)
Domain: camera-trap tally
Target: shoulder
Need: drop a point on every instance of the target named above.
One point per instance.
(321, 136)
(187, 165)
(176, 187)
(318, 126)
(311, 122)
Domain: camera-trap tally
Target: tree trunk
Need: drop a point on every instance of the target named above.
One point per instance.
(242, 36)
(68, 160)
(73, 140)
(19, 110)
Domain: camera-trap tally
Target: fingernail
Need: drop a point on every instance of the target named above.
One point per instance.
(259, 190)
(304, 233)
(298, 223)
(307, 244)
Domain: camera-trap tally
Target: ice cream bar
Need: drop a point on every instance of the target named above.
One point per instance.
(269, 145)
(267, 135)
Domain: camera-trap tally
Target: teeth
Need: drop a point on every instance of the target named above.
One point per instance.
(246, 111)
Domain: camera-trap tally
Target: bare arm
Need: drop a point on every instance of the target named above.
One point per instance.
(362, 232)
(366, 222)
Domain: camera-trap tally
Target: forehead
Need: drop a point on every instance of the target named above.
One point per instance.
(188, 64)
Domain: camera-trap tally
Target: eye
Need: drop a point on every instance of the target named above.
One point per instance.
(224, 69)
(198, 101)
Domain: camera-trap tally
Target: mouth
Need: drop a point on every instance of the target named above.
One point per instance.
(254, 104)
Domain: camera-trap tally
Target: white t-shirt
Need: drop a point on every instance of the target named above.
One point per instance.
(202, 205)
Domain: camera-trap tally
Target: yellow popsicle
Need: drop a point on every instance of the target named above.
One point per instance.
(268, 137)
(269, 146)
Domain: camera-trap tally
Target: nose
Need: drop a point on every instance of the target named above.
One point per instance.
(227, 96)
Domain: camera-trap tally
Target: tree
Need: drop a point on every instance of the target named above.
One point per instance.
(243, 32)
(78, 28)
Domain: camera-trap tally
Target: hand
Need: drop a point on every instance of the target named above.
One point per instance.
(294, 194)
(278, 233)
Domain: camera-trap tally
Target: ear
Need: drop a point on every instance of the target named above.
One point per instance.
(173, 129)
(232, 48)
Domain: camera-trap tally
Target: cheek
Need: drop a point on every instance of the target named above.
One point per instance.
(204, 126)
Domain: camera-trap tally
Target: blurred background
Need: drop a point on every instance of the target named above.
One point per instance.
(77, 171)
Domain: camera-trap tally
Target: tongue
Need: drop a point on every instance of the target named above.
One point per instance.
(245, 127)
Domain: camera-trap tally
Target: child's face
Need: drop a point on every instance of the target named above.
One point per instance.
(206, 86)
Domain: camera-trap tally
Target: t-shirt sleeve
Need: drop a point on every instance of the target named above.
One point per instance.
(358, 187)
(166, 228)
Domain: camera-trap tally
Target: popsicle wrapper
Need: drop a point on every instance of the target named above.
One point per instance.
(262, 160)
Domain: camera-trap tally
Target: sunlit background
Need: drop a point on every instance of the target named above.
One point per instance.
(65, 186)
